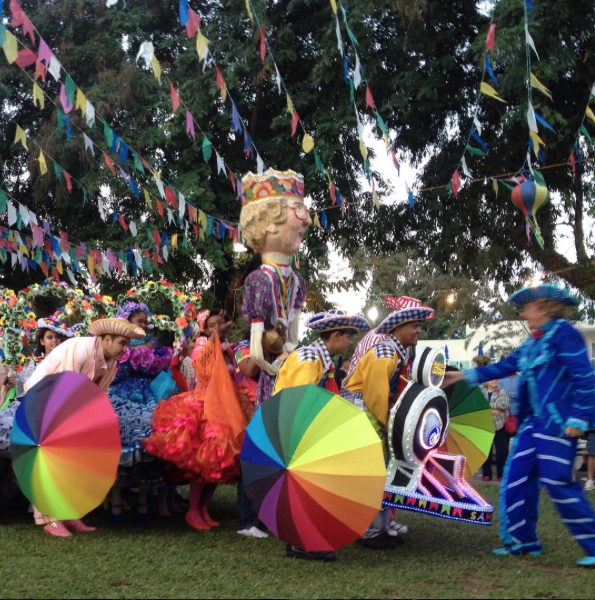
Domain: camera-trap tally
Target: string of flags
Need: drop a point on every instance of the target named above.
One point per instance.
(353, 81)
(202, 223)
(58, 254)
(72, 97)
(582, 132)
(474, 144)
(191, 21)
(308, 142)
(178, 205)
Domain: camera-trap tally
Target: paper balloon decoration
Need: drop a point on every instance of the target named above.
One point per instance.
(529, 196)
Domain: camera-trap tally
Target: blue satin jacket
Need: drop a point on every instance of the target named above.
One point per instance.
(557, 384)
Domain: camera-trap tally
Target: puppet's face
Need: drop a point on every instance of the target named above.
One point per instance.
(286, 237)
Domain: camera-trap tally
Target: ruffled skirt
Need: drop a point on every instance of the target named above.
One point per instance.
(204, 452)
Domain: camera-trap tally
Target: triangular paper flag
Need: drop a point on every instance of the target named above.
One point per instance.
(38, 97)
(10, 47)
(156, 69)
(21, 137)
(530, 41)
(488, 90)
(307, 143)
(43, 167)
(539, 86)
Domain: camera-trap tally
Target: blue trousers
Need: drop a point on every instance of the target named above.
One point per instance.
(539, 457)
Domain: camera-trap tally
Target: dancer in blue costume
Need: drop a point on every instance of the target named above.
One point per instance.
(556, 406)
(134, 401)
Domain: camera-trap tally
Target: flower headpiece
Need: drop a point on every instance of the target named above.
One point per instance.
(272, 185)
(130, 306)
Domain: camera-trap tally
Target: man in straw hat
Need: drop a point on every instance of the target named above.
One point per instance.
(96, 358)
(314, 365)
(556, 404)
(373, 377)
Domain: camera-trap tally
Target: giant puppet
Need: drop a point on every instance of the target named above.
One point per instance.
(274, 220)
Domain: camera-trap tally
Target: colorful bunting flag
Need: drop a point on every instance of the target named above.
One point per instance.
(236, 120)
(539, 86)
(456, 183)
(21, 137)
(183, 10)
(295, 119)
(307, 143)
(156, 69)
(43, 167)
(190, 125)
(25, 58)
(370, 100)
(10, 47)
(590, 114)
(221, 84)
(202, 47)
(207, 150)
(529, 41)
(488, 90)
(249, 10)
(490, 70)
(491, 38)
(193, 24)
(38, 97)
(175, 97)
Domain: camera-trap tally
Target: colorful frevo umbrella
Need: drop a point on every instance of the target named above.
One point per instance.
(313, 467)
(65, 445)
(471, 430)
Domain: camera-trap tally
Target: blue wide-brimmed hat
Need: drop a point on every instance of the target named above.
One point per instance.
(330, 320)
(406, 309)
(545, 291)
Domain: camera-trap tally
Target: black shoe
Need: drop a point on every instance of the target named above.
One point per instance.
(295, 552)
(380, 542)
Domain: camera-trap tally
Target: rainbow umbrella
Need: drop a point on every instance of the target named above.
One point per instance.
(313, 467)
(65, 445)
(471, 431)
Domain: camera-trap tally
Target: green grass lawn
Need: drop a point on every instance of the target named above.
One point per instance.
(165, 559)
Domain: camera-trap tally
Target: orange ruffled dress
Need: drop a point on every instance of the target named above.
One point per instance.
(202, 431)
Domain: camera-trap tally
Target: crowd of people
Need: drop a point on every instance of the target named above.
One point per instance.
(182, 411)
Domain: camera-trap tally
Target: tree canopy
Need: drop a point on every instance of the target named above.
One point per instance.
(423, 61)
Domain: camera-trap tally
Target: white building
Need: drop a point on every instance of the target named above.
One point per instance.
(504, 337)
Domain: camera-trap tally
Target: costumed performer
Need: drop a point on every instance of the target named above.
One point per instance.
(556, 405)
(96, 358)
(134, 401)
(50, 333)
(314, 365)
(246, 375)
(201, 431)
(374, 377)
(274, 220)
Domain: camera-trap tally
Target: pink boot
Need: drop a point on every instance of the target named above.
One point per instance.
(78, 525)
(57, 529)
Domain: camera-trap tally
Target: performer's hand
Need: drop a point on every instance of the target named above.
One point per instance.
(281, 357)
(573, 432)
(451, 377)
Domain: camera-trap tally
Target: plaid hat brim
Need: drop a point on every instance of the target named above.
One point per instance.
(332, 322)
(405, 315)
(546, 291)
